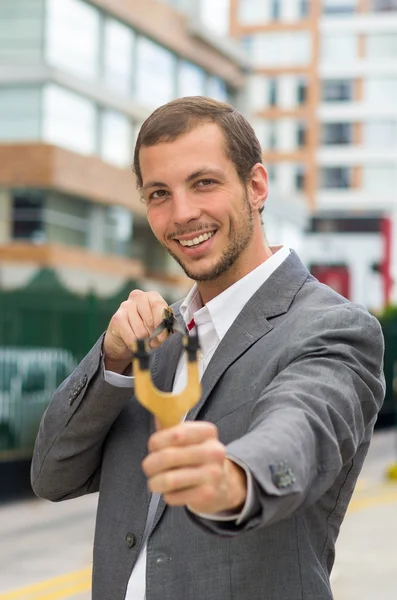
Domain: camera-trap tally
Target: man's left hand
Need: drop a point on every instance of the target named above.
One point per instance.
(188, 465)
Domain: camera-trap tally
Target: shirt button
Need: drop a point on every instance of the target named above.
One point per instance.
(130, 540)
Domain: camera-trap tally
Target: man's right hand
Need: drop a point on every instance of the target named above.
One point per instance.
(136, 318)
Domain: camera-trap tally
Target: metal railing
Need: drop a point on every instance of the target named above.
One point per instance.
(28, 379)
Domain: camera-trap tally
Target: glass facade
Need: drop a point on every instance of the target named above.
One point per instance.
(116, 138)
(21, 31)
(380, 91)
(381, 46)
(335, 177)
(337, 90)
(339, 47)
(20, 109)
(191, 79)
(118, 56)
(77, 52)
(155, 73)
(69, 120)
(279, 49)
(381, 134)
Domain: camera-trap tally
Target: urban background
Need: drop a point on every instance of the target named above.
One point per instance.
(318, 81)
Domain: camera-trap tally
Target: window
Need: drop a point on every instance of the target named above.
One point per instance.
(280, 49)
(191, 79)
(66, 220)
(337, 133)
(382, 46)
(335, 177)
(380, 178)
(301, 133)
(214, 15)
(118, 233)
(27, 216)
(19, 113)
(72, 36)
(339, 47)
(272, 135)
(273, 92)
(118, 56)
(69, 120)
(380, 91)
(301, 92)
(300, 177)
(217, 89)
(254, 11)
(275, 9)
(380, 134)
(155, 74)
(21, 31)
(262, 92)
(337, 90)
(339, 7)
(116, 138)
(384, 5)
(304, 8)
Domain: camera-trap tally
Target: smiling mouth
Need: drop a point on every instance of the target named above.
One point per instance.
(197, 240)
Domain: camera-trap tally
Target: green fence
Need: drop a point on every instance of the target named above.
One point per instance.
(388, 413)
(44, 331)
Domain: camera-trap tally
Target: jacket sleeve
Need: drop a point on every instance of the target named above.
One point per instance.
(68, 451)
(308, 424)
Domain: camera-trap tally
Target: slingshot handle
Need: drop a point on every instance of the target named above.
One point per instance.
(169, 408)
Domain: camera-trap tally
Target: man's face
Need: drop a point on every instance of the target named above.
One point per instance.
(196, 205)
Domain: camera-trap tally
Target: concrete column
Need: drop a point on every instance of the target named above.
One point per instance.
(5, 216)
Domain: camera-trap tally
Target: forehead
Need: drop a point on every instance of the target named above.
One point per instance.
(180, 157)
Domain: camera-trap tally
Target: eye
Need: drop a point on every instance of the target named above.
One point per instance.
(158, 195)
(205, 182)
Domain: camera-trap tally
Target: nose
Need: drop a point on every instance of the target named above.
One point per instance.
(184, 208)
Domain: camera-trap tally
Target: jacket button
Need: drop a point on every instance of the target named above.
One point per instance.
(130, 540)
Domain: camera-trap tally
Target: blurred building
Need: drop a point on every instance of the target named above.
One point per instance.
(77, 79)
(324, 99)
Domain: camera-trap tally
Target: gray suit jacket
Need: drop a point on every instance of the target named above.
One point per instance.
(294, 389)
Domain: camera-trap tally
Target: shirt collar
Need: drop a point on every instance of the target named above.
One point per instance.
(224, 308)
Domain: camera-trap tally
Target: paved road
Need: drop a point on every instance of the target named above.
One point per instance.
(46, 549)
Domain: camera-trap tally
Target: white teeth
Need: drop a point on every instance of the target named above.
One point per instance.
(197, 240)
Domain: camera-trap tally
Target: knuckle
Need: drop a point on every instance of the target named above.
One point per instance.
(135, 294)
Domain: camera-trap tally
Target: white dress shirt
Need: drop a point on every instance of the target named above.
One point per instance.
(212, 322)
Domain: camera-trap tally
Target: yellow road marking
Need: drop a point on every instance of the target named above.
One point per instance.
(389, 496)
(52, 589)
(77, 582)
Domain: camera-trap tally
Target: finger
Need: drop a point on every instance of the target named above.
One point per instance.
(145, 314)
(187, 433)
(120, 331)
(177, 457)
(182, 479)
(135, 322)
(203, 499)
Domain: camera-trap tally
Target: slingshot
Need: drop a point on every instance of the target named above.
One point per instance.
(169, 408)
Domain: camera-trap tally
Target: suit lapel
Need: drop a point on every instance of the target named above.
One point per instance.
(272, 299)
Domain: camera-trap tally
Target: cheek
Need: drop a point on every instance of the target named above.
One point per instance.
(157, 223)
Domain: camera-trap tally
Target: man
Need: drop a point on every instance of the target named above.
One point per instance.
(244, 499)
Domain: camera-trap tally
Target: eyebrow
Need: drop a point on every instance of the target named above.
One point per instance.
(191, 177)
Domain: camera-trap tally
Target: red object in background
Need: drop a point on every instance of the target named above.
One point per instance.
(336, 277)
(386, 232)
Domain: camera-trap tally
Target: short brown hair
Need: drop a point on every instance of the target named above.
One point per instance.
(180, 116)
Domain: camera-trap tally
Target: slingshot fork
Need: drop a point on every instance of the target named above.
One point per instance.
(169, 408)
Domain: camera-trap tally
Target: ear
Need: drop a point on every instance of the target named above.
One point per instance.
(258, 186)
